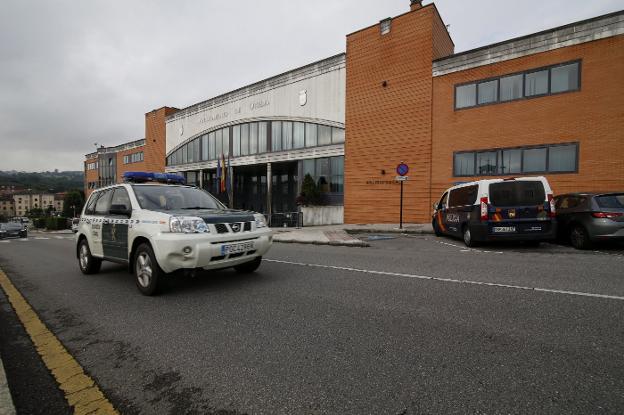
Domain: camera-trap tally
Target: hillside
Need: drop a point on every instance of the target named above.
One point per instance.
(43, 181)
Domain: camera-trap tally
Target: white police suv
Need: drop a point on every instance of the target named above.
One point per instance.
(157, 225)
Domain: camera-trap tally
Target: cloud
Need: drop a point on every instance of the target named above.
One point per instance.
(78, 72)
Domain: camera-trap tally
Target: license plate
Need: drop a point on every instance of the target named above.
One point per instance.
(503, 229)
(237, 248)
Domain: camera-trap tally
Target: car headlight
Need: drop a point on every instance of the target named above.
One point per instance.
(187, 224)
(260, 221)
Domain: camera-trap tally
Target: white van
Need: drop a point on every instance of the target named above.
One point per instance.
(516, 209)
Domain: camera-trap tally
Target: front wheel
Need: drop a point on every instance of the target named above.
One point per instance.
(436, 228)
(87, 262)
(148, 275)
(249, 267)
(468, 241)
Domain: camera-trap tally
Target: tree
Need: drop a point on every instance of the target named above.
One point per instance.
(35, 213)
(310, 193)
(73, 202)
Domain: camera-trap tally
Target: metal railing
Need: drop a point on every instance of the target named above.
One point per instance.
(286, 220)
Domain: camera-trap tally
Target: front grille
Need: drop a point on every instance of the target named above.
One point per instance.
(236, 255)
(221, 228)
(247, 226)
(217, 258)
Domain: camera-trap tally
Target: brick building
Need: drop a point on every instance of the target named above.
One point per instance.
(549, 103)
(108, 164)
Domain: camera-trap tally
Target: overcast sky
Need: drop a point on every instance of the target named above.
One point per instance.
(73, 73)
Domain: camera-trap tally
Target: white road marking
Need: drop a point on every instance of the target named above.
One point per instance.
(23, 239)
(4, 242)
(451, 280)
(59, 237)
(41, 238)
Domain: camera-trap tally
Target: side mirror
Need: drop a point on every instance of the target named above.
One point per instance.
(120, 210)
(435, 206)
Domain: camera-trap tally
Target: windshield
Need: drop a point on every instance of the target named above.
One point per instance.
(615, 201)
(167, 197)
(517, 193)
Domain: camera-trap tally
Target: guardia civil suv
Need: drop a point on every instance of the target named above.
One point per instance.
(157, 225)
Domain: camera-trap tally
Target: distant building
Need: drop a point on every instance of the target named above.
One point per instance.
(26, 201)
(7, 206)
(107, 165)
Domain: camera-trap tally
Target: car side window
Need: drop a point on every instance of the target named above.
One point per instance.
(90, 209)
(102, 206)
(443, 201)
(120, 199)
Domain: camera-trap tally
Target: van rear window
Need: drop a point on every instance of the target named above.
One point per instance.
(517, 193)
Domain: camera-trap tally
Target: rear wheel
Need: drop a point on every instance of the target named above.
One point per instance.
(87, 262)
(579, 238)
(148, 275)
(249, 267)
(467, 234)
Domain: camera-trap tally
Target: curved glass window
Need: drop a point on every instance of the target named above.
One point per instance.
(255, 138)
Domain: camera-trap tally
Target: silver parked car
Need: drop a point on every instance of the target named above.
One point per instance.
(585, 218)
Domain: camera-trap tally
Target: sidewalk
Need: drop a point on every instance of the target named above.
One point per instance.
(341, 235)
(6, 403)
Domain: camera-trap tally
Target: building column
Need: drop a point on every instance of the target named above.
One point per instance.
(269, 179)
(201, 179)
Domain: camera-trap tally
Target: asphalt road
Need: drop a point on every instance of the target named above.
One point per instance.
(409, 325)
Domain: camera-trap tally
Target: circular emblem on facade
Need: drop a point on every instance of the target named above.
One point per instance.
(303, 97)
(182, 130)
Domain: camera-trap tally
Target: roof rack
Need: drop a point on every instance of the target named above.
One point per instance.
(144, 177)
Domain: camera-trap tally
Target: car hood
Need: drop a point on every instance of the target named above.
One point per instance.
(216, 215)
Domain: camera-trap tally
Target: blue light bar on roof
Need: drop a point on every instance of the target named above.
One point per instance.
(143, 176)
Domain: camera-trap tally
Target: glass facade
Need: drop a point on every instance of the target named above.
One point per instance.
(255, 138)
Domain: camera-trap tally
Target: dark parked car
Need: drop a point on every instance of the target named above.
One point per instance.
(585, 218)
(12, 229)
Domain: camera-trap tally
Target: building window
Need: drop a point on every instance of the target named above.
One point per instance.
(539, 82)
(511, 87)
(464, 164)
(385, 25)
(465, 96)
(536, 83)
(276, 136)
(287, 135)
(564, 78)
(548, 158)
(488, 92)
(263, 138)
(311, 135)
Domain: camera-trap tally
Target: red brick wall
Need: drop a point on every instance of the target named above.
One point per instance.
(155, 138)
(122, 168)
(594, 117)
(90, 176)
(387, 125)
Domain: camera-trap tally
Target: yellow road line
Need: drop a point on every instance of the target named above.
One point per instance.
(80, 390)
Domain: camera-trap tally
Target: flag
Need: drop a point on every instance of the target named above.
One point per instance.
(219, 174)
(230, 175)
(223, 174)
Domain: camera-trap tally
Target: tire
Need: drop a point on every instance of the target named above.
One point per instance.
(436, 228)
(148, 275)
(249, 267)
(88, 263)
(467, 236)
(579, 238)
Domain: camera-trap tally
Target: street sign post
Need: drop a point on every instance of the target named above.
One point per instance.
(402, 170)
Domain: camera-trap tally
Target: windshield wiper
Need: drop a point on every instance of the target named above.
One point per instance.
(197, 207)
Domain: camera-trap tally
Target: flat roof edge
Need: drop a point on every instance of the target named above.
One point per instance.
(611, 24)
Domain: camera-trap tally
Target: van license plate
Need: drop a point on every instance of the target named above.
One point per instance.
(237, 248)
(503, 229)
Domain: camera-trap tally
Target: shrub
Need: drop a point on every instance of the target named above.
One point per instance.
(310, 193)
(39, 223)
(54, 223)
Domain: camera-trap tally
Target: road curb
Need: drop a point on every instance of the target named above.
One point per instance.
(80, 390)
(394, 231)
(354, 244)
